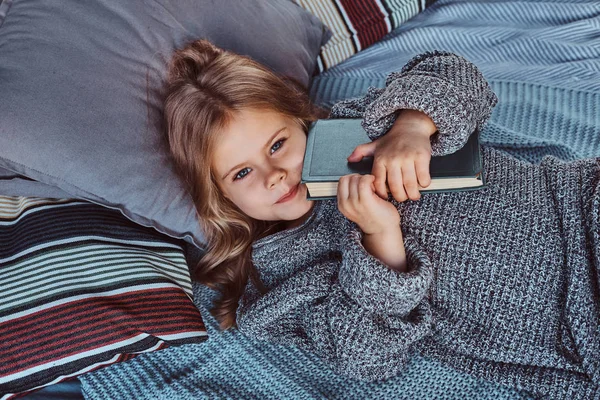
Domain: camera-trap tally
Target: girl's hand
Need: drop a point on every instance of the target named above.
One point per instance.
(401, 157)
(357, 201)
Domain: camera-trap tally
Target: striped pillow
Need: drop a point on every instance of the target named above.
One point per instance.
(83, 287)
(357, 24)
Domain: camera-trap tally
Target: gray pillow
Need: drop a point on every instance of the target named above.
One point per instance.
(80, 93)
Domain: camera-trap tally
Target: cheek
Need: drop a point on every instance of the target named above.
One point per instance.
(297, 155)
(247, 199)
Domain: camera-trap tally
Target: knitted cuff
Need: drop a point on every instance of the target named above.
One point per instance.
(446, 87)
(378, 288)
(355, 107)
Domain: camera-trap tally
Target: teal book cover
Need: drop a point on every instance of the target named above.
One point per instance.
(330, 142)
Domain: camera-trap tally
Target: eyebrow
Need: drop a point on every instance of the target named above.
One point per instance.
(266, 145)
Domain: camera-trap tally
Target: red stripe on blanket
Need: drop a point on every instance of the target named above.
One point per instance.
(97, 334)
(127, 302)
(368, 20)
(145, 311)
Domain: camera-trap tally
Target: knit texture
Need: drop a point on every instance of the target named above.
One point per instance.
(548, 42)
(502, 281)
(530, 121)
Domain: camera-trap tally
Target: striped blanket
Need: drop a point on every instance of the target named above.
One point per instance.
(83, 287)
(357, 24)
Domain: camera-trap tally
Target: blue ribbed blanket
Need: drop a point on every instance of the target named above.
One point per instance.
(543, 61)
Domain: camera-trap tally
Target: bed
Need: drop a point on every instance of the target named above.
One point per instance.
(543, 61)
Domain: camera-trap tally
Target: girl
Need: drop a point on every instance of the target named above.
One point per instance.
(501, 282)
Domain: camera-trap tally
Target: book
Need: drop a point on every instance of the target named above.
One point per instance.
(331, 141)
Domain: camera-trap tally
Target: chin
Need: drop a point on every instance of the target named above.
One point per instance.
(298, 208)
(304, 207)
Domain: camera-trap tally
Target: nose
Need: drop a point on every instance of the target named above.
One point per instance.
(275, 176)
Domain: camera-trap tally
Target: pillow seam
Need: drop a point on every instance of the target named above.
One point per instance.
(105, 203)
(4, 8)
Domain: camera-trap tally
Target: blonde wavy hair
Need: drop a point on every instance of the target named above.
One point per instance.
(206, 86)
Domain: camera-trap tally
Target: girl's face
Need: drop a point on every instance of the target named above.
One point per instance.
(258, 164)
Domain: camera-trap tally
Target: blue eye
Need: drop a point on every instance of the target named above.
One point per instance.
(235, 178)
(276, 146)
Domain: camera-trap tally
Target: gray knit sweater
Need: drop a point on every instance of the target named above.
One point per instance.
(502, 281)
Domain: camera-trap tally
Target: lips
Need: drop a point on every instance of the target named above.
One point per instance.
(289, 195)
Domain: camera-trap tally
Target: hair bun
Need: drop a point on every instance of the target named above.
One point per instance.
(190, 61)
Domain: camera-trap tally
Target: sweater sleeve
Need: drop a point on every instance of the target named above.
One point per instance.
(445, 86)
(361, 317)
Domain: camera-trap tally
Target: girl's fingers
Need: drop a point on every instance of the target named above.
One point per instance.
(365, 189)
(342, 191)
(396, 183)
(343, 200)
(422, 168)
(380, 174)
(353, 188)
(409, 177)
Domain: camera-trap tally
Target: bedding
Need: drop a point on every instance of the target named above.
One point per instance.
(357, 24)
(19, 185)
(548, 87)
(84, 287)
(541, 59)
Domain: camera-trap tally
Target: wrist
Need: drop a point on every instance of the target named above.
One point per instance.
(414, 120)
(391, 231)
(388, 247)
(392, 228)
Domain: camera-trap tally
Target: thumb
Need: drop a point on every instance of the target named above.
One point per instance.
(362, 150)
